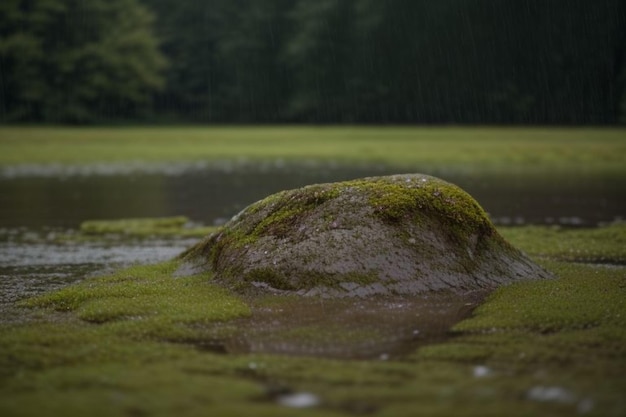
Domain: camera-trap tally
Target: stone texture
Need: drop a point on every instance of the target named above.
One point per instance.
(401, 234)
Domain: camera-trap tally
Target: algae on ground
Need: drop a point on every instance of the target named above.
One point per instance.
(145, 301)
(102, 355)
(604, 244)
(70, 366)
(179, 226)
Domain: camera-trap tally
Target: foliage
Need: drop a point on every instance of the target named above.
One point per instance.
(74, 61)
(395, 61)
(322, 61)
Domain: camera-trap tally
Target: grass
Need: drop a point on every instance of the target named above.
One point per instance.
(566, 333)
(603, 244)
(128, 344)
(145, 297)
(179, 226)
(134, 343)
(529, 149)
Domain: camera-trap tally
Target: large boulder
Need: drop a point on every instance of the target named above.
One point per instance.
(400, 234)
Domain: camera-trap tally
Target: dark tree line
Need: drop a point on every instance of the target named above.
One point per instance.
(76, 61)
(322, 61)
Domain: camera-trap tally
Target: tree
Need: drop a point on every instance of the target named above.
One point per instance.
(73, 61)
(391, 61)
(224, 55)
(482, 61)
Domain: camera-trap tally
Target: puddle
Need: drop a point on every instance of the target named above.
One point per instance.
(34, 261)
(378, 328)
(298, 400)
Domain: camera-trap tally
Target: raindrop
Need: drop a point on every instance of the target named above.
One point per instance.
(299, 400)
(551, 394)
(481, 371)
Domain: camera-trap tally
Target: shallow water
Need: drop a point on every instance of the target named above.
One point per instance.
(33, 262)
(53, 197)
(379, 327)
(38, 204)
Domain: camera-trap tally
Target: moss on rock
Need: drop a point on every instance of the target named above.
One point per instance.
(401, 234)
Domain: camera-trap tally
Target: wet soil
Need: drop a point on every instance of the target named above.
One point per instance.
(379, 327)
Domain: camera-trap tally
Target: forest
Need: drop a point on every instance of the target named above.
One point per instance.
(557, 62)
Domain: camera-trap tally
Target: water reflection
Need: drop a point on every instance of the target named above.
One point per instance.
(379, 327)
(32, 201)
(212, 194)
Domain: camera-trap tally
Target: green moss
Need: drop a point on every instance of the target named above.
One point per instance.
(49, 345)
(603, 244)
(333, 215)
(458, 212)
(590, 297)
(285, 211)
(568, 320)
(567, 332)
(160, 226)
(392, 201)
(280, 222)
(147, 295)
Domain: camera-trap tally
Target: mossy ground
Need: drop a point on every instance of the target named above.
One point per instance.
(179, 226)
(129, 344)
(597, 245)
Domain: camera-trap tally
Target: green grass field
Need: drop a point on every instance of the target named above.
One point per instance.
(130, 344)
(594, 150)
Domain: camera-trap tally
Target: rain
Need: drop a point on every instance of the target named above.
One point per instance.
(134, 132)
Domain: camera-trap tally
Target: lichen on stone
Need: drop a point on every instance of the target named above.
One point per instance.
(400, 234)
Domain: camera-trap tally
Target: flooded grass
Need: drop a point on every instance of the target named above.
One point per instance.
(137, 341)
(147, 295)
(496, 363)
(605, 244)
(369, 328)
(179, 226)
(142, 342)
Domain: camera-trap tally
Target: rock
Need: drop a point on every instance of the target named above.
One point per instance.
(400, 234)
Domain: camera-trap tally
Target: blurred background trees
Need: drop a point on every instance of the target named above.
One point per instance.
(75, 61)
(323, 61)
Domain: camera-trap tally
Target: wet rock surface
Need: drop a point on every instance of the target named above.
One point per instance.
(392, 235)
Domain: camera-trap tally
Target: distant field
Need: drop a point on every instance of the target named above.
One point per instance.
(601, 150)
